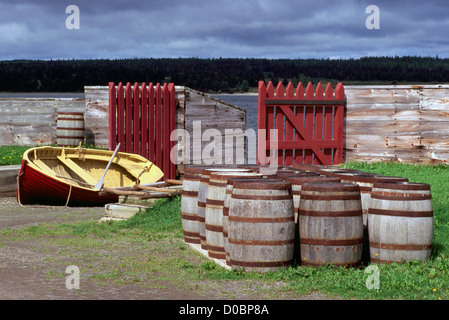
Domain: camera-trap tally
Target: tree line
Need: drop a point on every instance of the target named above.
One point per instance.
(214, 75)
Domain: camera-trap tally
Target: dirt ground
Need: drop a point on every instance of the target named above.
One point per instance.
(27, 271)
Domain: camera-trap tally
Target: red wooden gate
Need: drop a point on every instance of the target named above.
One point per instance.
(141, 119)
(309, 124)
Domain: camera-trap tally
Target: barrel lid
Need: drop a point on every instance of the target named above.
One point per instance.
(208, 171)
(330, 187)
(390, 179)
(399, 185)
(313, 178)
(341, 172)
(248, 179)
(268, 183)
(195, 169)
(226, 175)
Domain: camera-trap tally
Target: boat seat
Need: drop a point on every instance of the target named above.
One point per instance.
(78, 170)
(41, 164)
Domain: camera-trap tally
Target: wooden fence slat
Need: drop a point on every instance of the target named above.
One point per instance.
(158, 123)
(128, 118)
(136, 119)
(172, 90)
(261, 115)
(308, 154)
(112, 116)
(121, 116)
(166, 125)
(144, 120)
(328, 122)
(288, 154)
(299, 111)
(151, 127)
(319, 113)
(279, 122)
(339, 120)
(270, 114)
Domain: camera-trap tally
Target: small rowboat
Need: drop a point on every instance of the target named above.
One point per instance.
(71, 176)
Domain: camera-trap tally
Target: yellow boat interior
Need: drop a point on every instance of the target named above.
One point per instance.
(84, 167)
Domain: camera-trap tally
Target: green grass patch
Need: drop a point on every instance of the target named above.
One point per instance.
(12, 155)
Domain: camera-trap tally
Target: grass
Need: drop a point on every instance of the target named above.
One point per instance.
(12, 155)
(148, 249)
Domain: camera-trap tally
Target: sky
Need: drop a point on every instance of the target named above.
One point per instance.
(339, 29)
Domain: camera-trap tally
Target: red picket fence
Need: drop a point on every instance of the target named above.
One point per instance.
(310, 124)
(141, 119)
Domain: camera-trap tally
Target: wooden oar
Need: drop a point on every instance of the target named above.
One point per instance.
(100, 182)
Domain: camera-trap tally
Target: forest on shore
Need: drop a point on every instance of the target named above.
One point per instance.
(226, 75)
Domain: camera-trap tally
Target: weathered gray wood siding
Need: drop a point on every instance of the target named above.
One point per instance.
(32, 121)
(399, 123)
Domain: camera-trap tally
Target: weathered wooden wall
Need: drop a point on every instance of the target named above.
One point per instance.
(32, 121)
(222, 129)
(398, 123)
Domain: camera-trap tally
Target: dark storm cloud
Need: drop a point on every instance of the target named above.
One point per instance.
(198, 28)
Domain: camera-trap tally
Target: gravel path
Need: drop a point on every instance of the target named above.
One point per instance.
(33, 269)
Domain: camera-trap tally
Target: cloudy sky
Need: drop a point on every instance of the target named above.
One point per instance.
(37, 29)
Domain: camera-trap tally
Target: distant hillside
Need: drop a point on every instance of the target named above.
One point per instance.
(215, 75)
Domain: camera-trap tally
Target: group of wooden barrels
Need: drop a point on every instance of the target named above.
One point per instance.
(306, 215)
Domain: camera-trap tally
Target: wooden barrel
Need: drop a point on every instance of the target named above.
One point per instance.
(298, 181)
(261, 226)
(400, 222)
(70, 129)
(202, 194)
(226, 204)
(214, 219)
(330, 224)
(189, 204)
(366, 181)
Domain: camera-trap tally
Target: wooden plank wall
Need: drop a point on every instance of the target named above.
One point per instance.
(32, 121)
(227, 124)
(397, 123)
